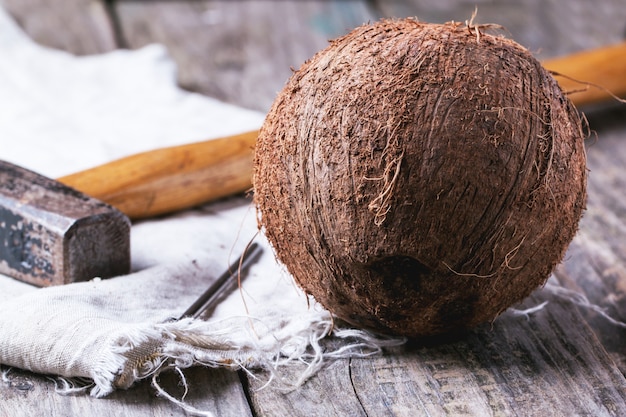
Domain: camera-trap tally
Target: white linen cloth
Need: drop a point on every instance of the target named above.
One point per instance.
(60, 114)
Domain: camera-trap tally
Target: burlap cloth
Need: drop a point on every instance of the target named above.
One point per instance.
(60, 114)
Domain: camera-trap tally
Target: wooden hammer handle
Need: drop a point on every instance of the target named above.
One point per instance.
(592, 76)
(165, 180)
(170, 179)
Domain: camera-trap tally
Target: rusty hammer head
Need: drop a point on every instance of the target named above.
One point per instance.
(51, 234)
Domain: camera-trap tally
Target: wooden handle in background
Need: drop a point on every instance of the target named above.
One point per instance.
(170, 179)
(597, 72)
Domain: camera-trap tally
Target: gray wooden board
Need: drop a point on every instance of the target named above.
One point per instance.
(547, 28)
(329, 393)
(559, 361)
(547, 363)
(79, 26)
(595, 264)
(243, 51)
(217, 390)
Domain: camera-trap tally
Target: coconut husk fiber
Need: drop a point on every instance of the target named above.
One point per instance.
(418, 178)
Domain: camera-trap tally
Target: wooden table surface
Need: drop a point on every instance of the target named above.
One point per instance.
(564, 360)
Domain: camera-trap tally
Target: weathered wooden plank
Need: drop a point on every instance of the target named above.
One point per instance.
(596, 260)
(329, 394)
(78, 26)
(219, 391)
(239, 52)
(548, 28)
(549, 363)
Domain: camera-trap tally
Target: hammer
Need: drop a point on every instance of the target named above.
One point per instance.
(52, 234)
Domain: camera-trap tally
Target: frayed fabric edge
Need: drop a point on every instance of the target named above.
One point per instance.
(254, 347)
(240, 343)
(243, 343)
(247, 343)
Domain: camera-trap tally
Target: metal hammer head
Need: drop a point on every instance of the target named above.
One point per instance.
(51, 234)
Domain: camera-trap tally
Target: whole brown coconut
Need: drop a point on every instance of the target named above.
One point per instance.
(419, 178)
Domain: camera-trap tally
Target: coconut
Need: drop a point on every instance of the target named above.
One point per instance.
(418, 179)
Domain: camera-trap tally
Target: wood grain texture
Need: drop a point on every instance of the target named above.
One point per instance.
(546, 28)
(239, 52)
(543, 365)
(328, 394)
(592, 76)
(171, 179)
(25, 394)
(595, 264)
(548, 364)
(79, 26)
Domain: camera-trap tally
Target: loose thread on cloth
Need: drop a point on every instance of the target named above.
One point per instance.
(276, 343)
(227, 343)
(527, 311)
(581, 300)
(298, 340)
(71, 386)
(571, 296)
(197, 343)
(173, 346)
(180, 403)
(96, 337)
